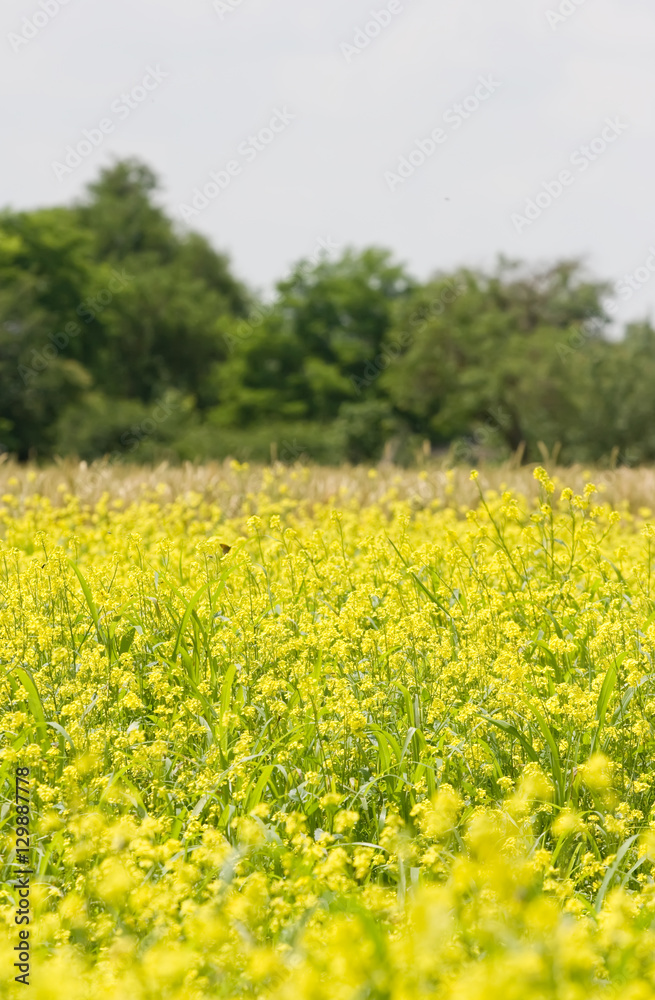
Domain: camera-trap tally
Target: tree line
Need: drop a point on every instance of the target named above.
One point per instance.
(123, 335)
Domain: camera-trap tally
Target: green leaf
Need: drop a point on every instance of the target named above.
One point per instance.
(612, 870)
(550, 740)
(255, 795)
(34, 698)
(605, 694)
(511, 730)
(86, 590)
(226, 695)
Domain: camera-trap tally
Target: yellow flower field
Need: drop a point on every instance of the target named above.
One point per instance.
(366, 748)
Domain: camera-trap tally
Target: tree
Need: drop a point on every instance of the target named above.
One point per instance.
(122, 219)
(105, 301)
(44, 274)
(299, 359)
(163, 327)
(495, 352)
(117, 326)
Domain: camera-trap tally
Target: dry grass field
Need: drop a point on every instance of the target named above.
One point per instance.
(230, 483)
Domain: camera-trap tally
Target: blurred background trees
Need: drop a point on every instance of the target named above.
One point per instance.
(122, 334)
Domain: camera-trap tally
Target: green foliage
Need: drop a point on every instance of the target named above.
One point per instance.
(44, 274)
(300, 360)
(494, 352)
(106, 308)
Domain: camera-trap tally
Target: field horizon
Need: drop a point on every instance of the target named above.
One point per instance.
(430, 481)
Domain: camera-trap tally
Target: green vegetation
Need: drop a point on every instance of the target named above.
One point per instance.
(272, 749)
(121, 335)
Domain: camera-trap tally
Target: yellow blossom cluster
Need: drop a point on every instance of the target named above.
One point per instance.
(330, 750)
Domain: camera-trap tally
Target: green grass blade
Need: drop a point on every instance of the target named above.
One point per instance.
(226, 695)
(512, 731)
(34, 699)
(86, 590)
(612, 870)
(550, 740)
(605, 694)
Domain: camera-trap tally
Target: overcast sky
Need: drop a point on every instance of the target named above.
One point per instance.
(314, 117)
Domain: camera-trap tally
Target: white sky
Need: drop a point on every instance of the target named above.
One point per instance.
(323, 176)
